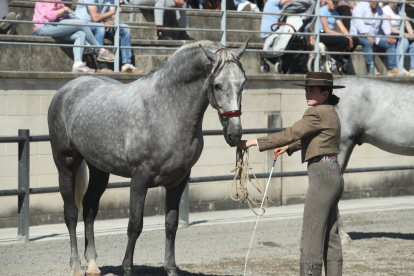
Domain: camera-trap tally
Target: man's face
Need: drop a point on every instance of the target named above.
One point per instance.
(373, 5)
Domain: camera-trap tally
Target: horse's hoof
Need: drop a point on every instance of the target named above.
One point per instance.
(171, 272)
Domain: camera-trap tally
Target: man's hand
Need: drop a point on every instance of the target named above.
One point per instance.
(391, 40)
(351, 43)
(67, 10)
(179, 3)
(108, 23)
(281, 150)
(371, 40)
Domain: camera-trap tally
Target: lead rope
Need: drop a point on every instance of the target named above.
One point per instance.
(240, 181)
(258, 215)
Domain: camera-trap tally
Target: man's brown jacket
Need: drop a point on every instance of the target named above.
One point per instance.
(318, 133)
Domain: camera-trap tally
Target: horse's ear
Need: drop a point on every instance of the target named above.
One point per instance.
(239, 52)
(210, 55)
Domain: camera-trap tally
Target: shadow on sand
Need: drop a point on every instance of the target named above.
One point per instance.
(372, 235)
(144, 270)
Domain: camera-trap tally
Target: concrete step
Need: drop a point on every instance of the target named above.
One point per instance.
(60, 59)
(150, 63)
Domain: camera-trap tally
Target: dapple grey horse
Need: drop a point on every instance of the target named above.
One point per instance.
(149, 130)
(375, 112)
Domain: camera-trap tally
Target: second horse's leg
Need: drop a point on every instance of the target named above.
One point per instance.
(98, 181)
(172, 203)
(138, 192)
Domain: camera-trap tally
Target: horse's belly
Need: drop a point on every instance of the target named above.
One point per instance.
(397, 144)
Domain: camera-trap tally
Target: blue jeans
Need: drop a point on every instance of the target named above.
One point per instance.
(72, 33)
(125, 33)
(383, 44)
(408, 46)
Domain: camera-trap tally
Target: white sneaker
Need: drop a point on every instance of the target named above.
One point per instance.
(82, 68)
(412, 72)
(129, 68)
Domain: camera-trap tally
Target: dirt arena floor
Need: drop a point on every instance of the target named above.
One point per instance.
(383, 244)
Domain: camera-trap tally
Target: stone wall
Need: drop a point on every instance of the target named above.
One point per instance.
(268, 101)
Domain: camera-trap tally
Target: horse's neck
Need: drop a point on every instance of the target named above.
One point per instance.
(184, 89)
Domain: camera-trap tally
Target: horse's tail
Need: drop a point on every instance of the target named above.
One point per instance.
(81, 185)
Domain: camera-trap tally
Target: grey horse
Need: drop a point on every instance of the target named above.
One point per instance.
(149, 130)
(375, 112)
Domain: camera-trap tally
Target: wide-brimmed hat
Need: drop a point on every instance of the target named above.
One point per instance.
(319, 79)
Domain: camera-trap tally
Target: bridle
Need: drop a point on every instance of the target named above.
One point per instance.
(227, 114)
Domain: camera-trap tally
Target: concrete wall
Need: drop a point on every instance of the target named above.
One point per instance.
(268, 101)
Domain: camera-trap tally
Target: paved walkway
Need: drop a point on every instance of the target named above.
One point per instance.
(119, 226)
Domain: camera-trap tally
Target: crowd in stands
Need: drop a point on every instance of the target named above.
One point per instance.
(337, 32)
(354, 26)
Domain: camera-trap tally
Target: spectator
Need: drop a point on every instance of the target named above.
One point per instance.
(392, 10)
(7, 27)
(159, 16)
(374, 27)
(55, 12)
(245, 5)
(272, 6)
(336, 43)
(98, 14)
(345, 8)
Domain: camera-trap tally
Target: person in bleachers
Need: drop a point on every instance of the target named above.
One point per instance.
(7, 27)
(57, 12)
(345, 8)
(272, 6)
(99, 14)
(392, 10)
(159, 16)
(374, 27)
(335, 43)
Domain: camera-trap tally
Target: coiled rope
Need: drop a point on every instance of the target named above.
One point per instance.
(240, 181)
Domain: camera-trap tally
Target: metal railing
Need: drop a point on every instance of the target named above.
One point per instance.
(223, 30)
(24, 191)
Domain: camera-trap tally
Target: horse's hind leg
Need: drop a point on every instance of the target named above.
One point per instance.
(98, 181)
(172, 202)
(67, 168)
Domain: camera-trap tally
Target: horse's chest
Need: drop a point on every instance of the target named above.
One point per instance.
(177, 166)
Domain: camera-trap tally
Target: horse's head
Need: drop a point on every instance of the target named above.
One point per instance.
(225, 90)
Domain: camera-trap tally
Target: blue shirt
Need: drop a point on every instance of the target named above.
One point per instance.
(331, 20)
(82, 12)
(272, 6)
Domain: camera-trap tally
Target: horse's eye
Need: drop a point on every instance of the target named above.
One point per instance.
(217, 86)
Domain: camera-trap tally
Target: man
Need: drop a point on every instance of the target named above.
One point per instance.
(272, 6)
(374, 27)
(99, 14)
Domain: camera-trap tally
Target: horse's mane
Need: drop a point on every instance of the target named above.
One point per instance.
(225, 55)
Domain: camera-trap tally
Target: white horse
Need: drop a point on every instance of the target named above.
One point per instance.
(375, 112)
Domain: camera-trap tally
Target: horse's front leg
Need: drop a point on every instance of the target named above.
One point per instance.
(138, 192)
(172, 203)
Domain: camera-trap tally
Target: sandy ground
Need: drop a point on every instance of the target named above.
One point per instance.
(383, 244)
